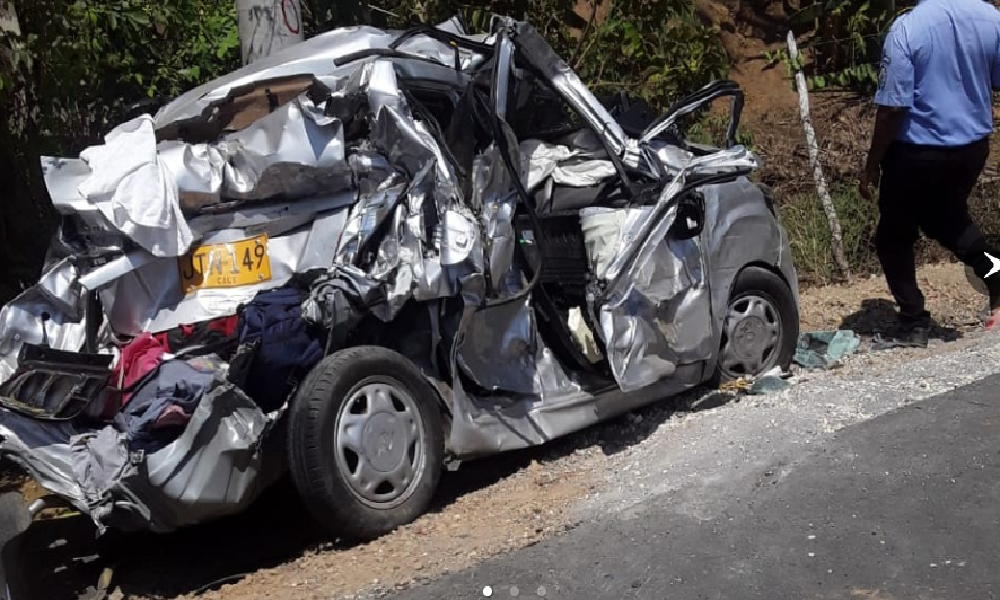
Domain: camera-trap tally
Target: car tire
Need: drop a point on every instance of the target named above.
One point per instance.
(366, 442)
(14, 522)
(759, 301)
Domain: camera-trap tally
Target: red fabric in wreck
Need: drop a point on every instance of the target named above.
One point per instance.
(139, 357)
(171, 416)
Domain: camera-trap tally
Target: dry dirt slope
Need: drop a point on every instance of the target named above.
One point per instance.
(486, 508)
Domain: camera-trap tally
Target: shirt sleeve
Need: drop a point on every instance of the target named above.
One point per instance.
(895, 76)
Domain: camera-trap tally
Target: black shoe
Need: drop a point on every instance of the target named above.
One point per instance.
(906, 336)
(914, 336)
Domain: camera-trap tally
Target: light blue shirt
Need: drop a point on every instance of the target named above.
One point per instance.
(941, 61)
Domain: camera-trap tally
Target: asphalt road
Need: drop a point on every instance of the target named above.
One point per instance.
(904, 506)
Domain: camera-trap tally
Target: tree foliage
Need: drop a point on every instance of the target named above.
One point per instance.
(846, 44)
(68, 76)
(654, 49)
(79, 63)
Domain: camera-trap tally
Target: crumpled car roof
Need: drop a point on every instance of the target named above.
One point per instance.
(315, 56)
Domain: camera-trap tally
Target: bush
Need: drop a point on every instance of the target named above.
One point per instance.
(846, 42)
(809, 233)
(67, 78)
(654, 49)
(78, 63)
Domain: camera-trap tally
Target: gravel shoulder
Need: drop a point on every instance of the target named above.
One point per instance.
(492, 506)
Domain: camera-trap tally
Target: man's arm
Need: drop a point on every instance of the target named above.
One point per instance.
(894, 98)
(995, 70)
(888, 123)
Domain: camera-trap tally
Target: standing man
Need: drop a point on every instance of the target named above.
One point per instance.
(940, 64)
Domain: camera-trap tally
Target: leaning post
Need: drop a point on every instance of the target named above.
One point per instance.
(817, 168)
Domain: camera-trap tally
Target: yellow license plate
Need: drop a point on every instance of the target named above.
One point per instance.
(232, 264)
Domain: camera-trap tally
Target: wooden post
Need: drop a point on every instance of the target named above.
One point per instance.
(817, 168)
(266, 26)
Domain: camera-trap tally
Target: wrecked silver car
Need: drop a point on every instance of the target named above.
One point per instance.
(368, 256)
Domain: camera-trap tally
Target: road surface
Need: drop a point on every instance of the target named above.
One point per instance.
(903, 506)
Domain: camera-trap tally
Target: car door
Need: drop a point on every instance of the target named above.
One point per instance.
(650, 258)
(650, 294)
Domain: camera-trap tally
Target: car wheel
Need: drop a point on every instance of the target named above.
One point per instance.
(366, 442)
(761, 325)
(14, 522)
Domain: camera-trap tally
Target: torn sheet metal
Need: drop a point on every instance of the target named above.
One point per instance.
(656, 311)
(569, 166)
(493, 196)
(504, 352)
(42, 449)
(535, 49)
(486, 426)
(340, 297)
(419, 259)
(317, 56)
(138, 186)
(134, 190)
(295, 151)
(673, 158)
(368, 215)
(63, 178)
(213, 469)
(666, 318)
(641, 244)
(499, 349)
(23, 319)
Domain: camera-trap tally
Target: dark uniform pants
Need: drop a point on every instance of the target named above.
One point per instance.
(927, 188)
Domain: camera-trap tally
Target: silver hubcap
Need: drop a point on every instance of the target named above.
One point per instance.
(379, 442)
(752, 334)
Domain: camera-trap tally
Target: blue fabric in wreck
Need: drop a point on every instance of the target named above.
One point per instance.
(286, 346)
(173, 383)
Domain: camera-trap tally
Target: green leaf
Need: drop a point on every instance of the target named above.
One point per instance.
(138, 17)
(232, 40)
(192, 73)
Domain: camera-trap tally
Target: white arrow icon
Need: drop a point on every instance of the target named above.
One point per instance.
(996, 264)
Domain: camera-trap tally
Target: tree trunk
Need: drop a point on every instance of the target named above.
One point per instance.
(266, 26)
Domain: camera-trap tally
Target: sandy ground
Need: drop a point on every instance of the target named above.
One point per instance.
(486, 508)
(866, 306)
